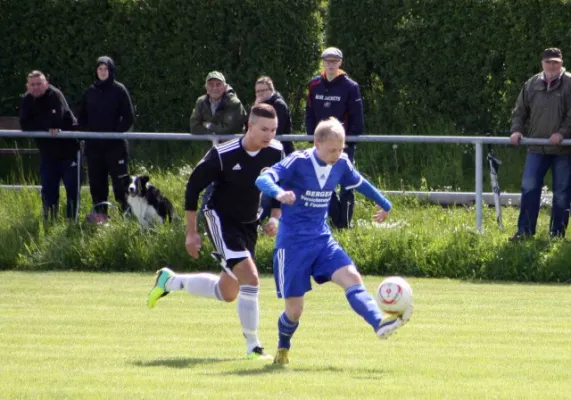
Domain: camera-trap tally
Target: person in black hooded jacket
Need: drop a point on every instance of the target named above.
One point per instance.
(44, 108)
(266, 93)
(106, 107)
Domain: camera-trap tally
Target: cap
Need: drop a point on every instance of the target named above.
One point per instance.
(332, 52)
(552, 54)
(215, 75)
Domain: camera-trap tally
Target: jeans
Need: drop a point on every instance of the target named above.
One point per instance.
(536, 166)
(52, 172)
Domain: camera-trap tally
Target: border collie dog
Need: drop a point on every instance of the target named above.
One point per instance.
(147, 202)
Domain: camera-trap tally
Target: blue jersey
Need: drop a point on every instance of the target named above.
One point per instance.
(313, 183)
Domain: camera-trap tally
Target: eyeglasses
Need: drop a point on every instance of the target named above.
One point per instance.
(262, 90)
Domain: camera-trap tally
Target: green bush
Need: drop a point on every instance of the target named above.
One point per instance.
(163, 49)
(438, 62)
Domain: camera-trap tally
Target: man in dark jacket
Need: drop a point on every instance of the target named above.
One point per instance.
(106, 107)
(334, 94)
(44, 108)
(219, 111)
(544, 104)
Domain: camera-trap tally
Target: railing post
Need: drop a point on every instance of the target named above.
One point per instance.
(479, 184)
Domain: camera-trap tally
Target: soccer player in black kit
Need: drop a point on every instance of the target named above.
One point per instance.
(232, 218)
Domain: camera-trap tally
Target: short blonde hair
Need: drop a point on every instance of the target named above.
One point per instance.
(330, 129)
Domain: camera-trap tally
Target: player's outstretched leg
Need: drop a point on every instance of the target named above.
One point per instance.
(392, 322)
(199, 284)
(365, 305)
(159, 289)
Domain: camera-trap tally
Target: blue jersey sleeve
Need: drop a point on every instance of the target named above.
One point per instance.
(371, 192)
(283, 171)
(351, 178)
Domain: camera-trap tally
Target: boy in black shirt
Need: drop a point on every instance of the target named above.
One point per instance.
(232, 217)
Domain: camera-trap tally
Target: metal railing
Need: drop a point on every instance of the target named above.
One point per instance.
(477, 141)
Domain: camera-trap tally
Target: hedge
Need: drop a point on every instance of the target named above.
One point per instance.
(163, 49)
(459, 62)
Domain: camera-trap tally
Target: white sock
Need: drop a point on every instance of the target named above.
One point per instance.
(249, 314)
(202, 284)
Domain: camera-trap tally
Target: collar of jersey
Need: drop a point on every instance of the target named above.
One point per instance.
(319, 162)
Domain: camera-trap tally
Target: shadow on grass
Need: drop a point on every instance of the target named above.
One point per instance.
(180, 362)
(276, 369)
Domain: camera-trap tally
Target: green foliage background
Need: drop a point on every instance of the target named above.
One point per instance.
(425, 67)
(457, 62)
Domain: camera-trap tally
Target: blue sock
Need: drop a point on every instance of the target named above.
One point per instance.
(286, 330)
(364, 305)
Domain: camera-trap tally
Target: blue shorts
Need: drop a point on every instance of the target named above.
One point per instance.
(296, 262)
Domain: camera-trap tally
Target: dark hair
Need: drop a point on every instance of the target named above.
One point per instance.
(262, 110)
(266, 80)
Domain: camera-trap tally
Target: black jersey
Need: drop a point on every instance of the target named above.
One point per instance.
(233, 172)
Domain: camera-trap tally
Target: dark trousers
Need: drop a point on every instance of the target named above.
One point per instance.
(342, 205)
(52, 172)
(99, 168)
(536, 166)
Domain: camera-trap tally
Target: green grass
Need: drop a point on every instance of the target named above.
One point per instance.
(90, 336)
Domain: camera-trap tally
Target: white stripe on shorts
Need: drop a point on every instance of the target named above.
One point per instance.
(281, 263)
(215, 227)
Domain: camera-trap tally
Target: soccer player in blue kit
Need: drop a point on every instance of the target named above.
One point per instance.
(305, 248)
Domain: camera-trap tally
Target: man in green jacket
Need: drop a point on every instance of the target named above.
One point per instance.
(544, 104)
(219, 111)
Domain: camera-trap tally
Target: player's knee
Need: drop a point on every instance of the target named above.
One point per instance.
(229, 288)
(294, 311)
(229, 295)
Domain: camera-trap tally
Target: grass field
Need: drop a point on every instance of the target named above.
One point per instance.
(90, 336)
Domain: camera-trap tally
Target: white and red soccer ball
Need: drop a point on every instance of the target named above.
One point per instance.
(394, 295)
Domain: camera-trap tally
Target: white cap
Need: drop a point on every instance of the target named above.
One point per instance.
(332, 52)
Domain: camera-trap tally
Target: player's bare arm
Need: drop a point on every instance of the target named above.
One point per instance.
(193, 243)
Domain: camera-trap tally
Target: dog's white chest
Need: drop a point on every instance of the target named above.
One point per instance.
(145, 213)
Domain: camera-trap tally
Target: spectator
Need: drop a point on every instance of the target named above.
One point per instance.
(544, 105)
(106, 107)
(333, 94)
(266, 93)
(219, 111)
(44, 108)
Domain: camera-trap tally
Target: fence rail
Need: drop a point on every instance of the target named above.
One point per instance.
(477, 141)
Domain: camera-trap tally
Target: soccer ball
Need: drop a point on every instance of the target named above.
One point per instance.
(394, 295)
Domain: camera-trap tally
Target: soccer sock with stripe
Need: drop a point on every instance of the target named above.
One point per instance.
(364, 305)
(249, 314)
(201, 284)
(286, 329)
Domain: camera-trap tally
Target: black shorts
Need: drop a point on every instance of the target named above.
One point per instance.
(234, 241)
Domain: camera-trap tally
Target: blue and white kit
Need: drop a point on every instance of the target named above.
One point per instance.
(305, 247)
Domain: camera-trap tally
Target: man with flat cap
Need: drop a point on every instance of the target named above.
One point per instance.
(219, 111)
(334, 94)
(543, 111)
